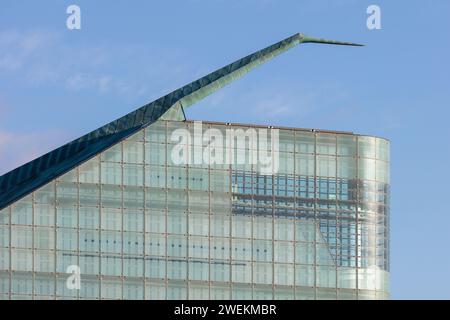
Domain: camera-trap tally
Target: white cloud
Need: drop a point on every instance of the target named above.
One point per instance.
(17, 149)
(42, 58)
(18, 48)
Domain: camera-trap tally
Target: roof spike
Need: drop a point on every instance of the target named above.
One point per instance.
(307, 39)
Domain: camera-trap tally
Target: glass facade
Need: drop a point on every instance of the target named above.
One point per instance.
(140, 226)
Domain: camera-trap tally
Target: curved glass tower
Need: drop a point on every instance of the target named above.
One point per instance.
(117, 215)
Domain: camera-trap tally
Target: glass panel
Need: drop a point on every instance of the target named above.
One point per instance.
(44, 238)
(133, 220)
(21, 260)
(155, 177)
(44, 261)
(177, 269)
(133, 267)
(304, 142)
(133, 152)
(44, 215)
(133, 243)
(382, 152)
(89, 194)
(199, 270)
(220, 180)
(133, 289)
(67, 217)
(177, 291)
(283, 274)
(22, 283)
(111, 196)
(346, 167)
(366, 169)
(111, 241)
(304, 165)
(199, 201)
(220, 248)
(22, 212)
(326, 144)
(326, 166)
(133, 174)
(155, 290)
(4, 216)
(366, 147)
(155, 221)
(241, 271)
(89, 217)
(304, 275)
(155, 154)
(44, 285)
(46, 194)
(67, 239)
(346, 145)
(133, 197)
(113, 154)
(284, 251)
(176, 222)
(67, 193)
(111, 219)
(156, 132)
(286, 140)
(90, 171)
(111, 288)
(198, 224)
(89, 240)
(241, 249)
(4, 259)
(111, 265)
(21, 237)
(111, 173)
(155, 245)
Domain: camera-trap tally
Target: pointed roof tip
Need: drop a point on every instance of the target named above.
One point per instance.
(306, 39)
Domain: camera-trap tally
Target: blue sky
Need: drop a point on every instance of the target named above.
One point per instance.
(56, 85)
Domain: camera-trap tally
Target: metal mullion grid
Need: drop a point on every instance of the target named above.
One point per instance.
(188, 213)
(230, 190)
(273, 231)
(57, 276)
(252, 217)
(33, 205)
(100, 229)
(55, 232)
(122, 210)
(232, 172)
(10, 252)
(144, 212)
(99, 226)
(315, 215)
(165, 214)
(230, 240)
(336, 188)
(78, 218)
(295, 213)
(358, 189)
(209, 231)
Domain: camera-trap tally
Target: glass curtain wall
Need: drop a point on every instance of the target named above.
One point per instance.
(139, 226)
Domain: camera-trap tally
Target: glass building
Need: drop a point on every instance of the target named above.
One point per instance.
(139, 225)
